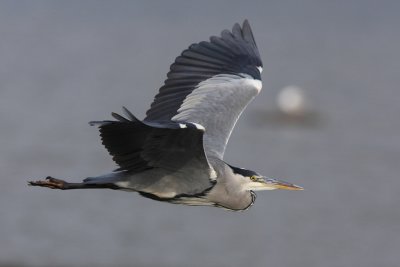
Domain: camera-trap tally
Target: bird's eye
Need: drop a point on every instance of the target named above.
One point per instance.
(253, 178)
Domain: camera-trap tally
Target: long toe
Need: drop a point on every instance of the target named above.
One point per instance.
(49, 182)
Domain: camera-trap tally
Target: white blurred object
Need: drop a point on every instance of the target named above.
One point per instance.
(291, 101)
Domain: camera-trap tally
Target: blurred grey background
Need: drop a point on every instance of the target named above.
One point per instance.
(64, 63)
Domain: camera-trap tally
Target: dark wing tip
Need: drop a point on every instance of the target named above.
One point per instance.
(118, 117)
(237, 31)
(129, 114)
(246, 25)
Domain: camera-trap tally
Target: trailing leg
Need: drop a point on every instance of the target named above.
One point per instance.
(54, 183)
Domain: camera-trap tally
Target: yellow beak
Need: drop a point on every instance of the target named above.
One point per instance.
(277, 184)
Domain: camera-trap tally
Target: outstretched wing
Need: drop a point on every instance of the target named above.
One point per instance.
(137, 146)
(211, 83)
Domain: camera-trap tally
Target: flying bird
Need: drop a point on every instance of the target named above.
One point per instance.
(176, 153)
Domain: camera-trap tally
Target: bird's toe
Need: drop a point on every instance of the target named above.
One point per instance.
(49, 182)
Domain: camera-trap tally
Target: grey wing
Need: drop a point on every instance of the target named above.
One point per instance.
(210, 84)
(169, 147)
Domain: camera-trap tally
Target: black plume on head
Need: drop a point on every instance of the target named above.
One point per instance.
(244, 172)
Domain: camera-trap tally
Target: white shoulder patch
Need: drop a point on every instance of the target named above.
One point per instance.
(213, 175)
(255, 83)
(198, 126)
(182, 126)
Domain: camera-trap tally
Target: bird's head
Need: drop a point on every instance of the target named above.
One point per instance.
(256, 182)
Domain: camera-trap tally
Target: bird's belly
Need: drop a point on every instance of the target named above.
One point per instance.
(156, 183)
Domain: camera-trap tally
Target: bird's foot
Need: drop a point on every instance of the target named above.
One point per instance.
(49, 182)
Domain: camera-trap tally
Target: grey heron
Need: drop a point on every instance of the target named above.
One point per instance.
(176, 153)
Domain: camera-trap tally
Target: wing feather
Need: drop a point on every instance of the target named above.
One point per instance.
(136, 146)
(210, 83)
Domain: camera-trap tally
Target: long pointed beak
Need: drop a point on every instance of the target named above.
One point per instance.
(277, 184)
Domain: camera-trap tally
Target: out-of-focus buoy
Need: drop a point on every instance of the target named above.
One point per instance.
(291, 101)
(293, 108)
